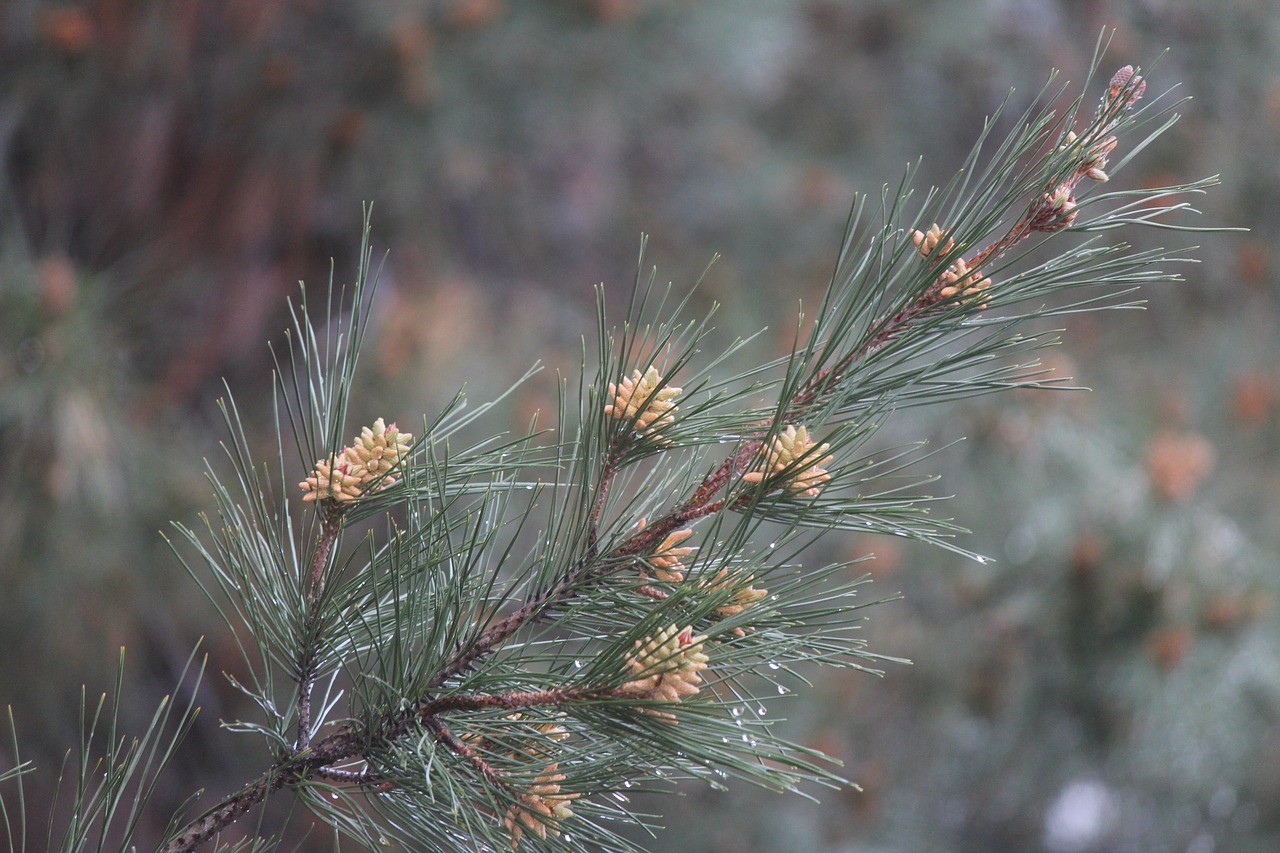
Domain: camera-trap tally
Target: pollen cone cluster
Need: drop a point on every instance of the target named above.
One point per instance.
(958, 280)
(667, 560)
(781, 455)
(1094, 161)
(743, 595)
(927, 242)
(666, 666)
(540, 809)
(373, 455)
(641, 398)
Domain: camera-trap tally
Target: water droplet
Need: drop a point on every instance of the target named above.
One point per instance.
(735, 711)
(782, 691)
(981, 559)
(577, 664)
(621, 797)
(627, 784)
(762, 710)
(773, 545)
(773, 664)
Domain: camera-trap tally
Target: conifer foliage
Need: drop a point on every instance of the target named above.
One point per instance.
(463, 642)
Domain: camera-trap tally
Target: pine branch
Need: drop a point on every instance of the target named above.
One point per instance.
(871, 338)
(555, 615)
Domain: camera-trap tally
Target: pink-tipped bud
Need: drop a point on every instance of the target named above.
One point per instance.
(1125, 83)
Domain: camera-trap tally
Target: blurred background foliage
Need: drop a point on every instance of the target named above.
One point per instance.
(171, 170)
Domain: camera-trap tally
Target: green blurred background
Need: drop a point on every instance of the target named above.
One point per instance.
(172, 169)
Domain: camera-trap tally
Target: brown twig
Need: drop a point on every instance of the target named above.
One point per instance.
(226, 813)
(362, 778)
(330, 526)
(597, 508)
(446, 736)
